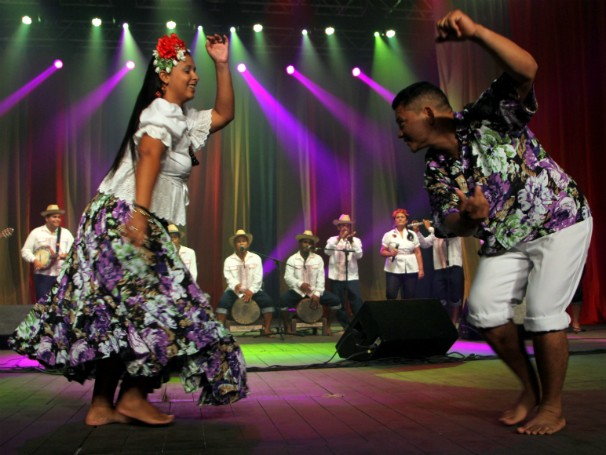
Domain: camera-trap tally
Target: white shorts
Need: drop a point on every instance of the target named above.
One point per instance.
(547, 271)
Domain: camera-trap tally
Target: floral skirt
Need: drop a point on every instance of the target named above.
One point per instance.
(139, 304)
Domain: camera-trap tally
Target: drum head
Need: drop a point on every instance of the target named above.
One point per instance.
(43, 254)
(245, 313)
(306, 313)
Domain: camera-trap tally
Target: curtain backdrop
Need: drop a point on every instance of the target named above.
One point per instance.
(298, 154)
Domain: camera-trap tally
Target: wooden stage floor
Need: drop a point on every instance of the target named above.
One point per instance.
(304, 402)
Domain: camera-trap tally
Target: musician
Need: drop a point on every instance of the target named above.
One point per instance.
(243, 272)
(187, 255)
(449, 280)
(343, 251)
(304, 276)
(47, 247)
(403, 260)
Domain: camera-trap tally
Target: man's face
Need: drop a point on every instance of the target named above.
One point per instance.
(344, 229)
(414, 128)
(53, 221)
(305, 245)
(241, 243)
(176, 238)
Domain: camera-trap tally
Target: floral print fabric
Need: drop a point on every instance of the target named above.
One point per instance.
(529, 195)
(141, 304)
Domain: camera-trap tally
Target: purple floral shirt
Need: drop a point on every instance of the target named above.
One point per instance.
(530, 196)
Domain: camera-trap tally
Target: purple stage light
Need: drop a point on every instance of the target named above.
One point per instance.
(7, 103)
(130, 65)
(355, 72)
(290, 69)
(382, 91)
(58, 63)
(241, 67)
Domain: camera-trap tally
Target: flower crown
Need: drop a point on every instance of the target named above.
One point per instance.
(169, 51)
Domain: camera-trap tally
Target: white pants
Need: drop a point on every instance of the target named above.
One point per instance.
(547, 271)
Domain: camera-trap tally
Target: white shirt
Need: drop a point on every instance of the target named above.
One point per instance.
(166, 122)
(299, 271)
(42, 236)
(405, 261)
(188, 256)
(336, 260)
(446, 252)
(247, 273)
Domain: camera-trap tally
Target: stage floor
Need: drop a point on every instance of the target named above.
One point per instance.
(304, 400)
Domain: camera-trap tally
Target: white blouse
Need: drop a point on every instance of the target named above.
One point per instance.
(405, 261)
(178, 131)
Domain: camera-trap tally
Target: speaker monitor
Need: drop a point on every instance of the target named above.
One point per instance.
(414, 328)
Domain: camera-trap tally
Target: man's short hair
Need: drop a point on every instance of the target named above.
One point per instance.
(419, 90)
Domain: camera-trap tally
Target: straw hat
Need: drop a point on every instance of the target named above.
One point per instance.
(172, 229)
(307, 235)
(343, 219)
(240, 233)
(51, 210)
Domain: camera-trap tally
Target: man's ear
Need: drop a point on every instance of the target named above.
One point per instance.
(430, 114)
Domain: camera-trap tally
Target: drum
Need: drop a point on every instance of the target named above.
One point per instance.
(245, 313)
(306, 313)
(45, 256)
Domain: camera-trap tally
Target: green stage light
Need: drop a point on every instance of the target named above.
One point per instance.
(171, 25)
(96, 22)
(329, 30)
(258, 28)
(390, 33)
(26, 20)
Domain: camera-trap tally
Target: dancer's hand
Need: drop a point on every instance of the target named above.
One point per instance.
(456, 26)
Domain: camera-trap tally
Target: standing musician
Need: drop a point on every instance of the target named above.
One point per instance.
(187, 255)
(243, 272)
(449, 280)
(304, 276)
(403, 260)
(343, 251)
(47, 247)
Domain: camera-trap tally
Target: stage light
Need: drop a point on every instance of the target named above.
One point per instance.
(26, 20)
(96, 22)
(377, 34)
(258, 28)
(58, 64)
(355, 72)
(232, 29)
(241, 67)
(304, 31)
(200, 28)
(329, 30)
(130, 65)
(290, 69)
(390, 33)
(125, 26)
(171, 25)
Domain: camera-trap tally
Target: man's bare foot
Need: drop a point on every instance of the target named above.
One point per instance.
(104, 415)
(526, 403)
(546, 421)
(143, 410)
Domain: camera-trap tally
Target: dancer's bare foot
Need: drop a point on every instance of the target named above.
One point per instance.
(546, 421)
(526, 403)
(104, 415)
(142, 410)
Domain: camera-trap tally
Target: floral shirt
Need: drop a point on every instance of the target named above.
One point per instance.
(529, 195)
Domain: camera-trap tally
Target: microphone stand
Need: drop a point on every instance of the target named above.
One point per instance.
(277, 263)
(346, 302)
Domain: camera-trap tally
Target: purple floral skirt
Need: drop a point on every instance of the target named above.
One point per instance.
(140, 304)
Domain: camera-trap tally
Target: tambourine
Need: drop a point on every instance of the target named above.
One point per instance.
(245, 313)
(45, 256)
(306, 313)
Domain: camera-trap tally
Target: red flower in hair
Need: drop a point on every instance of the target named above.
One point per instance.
(168, 46)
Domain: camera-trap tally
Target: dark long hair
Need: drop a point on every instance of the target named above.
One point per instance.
(151, 85)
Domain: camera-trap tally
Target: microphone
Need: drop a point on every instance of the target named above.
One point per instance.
(393, 258)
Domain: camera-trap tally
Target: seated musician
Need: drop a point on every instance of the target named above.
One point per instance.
(304, 275)
(47, 247)
(243, 272)
(187, 255)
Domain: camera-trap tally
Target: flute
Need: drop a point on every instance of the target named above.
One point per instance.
(418, 223)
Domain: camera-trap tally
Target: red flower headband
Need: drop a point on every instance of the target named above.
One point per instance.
(169, 51)
(396, 211)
